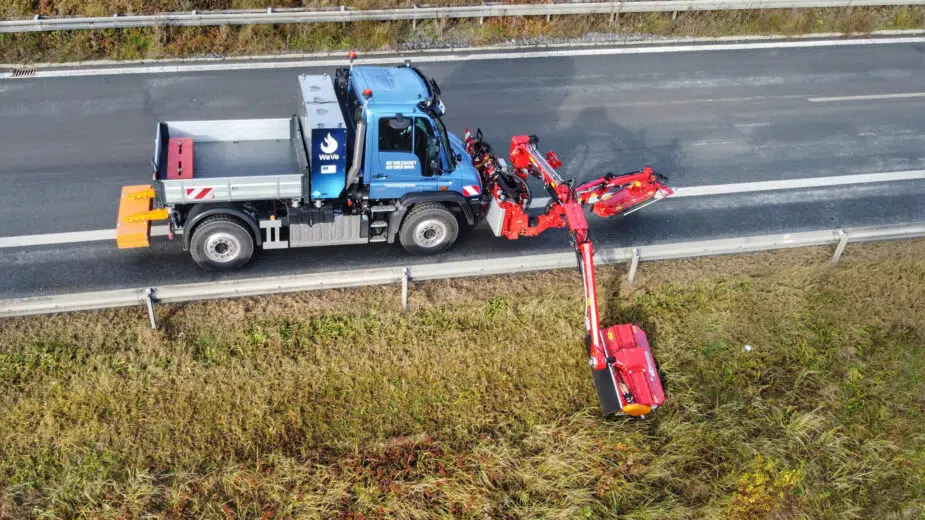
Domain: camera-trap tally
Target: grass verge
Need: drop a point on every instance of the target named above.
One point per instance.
(167, 42)
(478, 402)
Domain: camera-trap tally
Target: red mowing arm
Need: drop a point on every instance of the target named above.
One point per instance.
(525, 157)
(621, 361)
(634, 192)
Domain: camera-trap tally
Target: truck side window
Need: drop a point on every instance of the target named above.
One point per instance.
(423, 144)
(394, 135)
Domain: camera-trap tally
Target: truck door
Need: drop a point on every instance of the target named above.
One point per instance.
(402, 165)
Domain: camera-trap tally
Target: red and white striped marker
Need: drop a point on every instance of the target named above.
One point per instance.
(470, 191)
(199, 193)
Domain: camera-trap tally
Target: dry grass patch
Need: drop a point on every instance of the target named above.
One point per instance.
(165, 42)
(478, 401)
(27, 8)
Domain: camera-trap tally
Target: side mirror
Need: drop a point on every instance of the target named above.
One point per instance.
(433, 153)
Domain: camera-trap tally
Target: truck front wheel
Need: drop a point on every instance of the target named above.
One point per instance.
(221, 243)
(429, 228)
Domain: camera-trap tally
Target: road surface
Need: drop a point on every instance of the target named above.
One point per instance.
(67, 145)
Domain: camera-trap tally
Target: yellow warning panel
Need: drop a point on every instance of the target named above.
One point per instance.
(133, 201)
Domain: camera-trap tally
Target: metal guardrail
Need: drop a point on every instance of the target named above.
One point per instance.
(150, 296)
(343, 14)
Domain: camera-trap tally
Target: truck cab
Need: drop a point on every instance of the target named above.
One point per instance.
(365, 158)
(407, 146)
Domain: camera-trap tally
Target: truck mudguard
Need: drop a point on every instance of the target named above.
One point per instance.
(200, 212)
(405, 203)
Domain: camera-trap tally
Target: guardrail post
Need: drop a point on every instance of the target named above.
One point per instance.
(674, 15)
(343, 9)
(842, 242)
(149, 302)
(634, 264)
(404, 289)
(414, 21)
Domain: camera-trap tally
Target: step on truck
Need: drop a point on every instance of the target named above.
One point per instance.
(367, 158)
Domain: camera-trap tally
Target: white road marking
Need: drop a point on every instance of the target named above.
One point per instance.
(603, 104)
(70, 238)
(686, 191)
(58, 238)
(650, 48)
(791, 184)
(903, 95)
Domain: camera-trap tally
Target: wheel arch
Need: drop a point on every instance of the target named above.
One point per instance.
(448, 198)
(200, 212)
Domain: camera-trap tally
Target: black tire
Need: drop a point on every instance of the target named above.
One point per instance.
(221, 244)
(429, 228)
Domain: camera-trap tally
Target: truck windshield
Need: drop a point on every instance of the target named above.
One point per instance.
(445, 139)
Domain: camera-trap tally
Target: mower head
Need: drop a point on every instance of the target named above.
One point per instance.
(629, 384)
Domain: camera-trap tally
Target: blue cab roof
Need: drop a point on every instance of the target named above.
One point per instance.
(390, 85)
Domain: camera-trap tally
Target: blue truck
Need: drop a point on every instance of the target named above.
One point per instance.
(365, 158)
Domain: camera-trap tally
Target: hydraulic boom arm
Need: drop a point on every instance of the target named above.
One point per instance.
(621, 362)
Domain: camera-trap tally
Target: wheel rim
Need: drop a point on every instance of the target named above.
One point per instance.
(222, 247)
(429, 233)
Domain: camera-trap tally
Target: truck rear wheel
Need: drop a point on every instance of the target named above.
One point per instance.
(429, 228)
(221, 244)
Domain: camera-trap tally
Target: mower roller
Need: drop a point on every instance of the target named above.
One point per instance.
(622, 366)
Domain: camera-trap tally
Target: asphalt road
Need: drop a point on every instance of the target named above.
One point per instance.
(67, 145)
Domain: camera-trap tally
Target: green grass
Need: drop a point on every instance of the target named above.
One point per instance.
(478, 402)
(165, 42)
